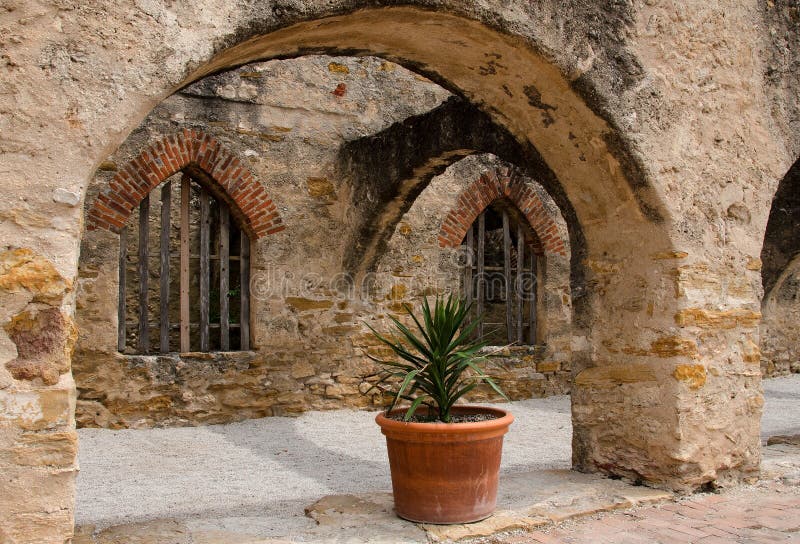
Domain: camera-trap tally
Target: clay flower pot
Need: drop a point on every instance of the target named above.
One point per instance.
(445, 472)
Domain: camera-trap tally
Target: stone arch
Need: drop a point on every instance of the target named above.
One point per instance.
(193, 150)
(491, 186)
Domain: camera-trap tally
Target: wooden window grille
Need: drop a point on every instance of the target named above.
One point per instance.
(500, 275)
(184, 274)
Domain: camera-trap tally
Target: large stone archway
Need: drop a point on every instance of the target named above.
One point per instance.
(665, 388)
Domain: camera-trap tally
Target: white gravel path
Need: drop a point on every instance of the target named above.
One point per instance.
(781, 406)
(263, 472)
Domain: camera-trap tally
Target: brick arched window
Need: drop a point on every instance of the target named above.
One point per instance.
(184, 260)
(506, 232)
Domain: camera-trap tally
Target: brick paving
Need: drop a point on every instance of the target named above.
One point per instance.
(766, 513)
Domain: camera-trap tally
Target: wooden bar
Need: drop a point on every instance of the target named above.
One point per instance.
(469, 258)
(244, 289)
(144, 273)
(121, 303)
(507, 276)
(205, 271)
(519, 294)
(186, 189)
(224, 272)
(533, 301)
(480, 263)
(163, 293)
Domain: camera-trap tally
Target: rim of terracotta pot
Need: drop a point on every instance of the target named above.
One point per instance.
(438, 431)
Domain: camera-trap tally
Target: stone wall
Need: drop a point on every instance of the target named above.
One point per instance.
(308, 312)
(38, 442)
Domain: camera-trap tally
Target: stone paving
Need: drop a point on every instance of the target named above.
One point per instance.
(750, 515)
(768, 511)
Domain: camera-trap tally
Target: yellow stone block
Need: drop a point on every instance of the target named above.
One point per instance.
(674, 346)
(23, 269)
(693, 375)
(605, 376)
(548, 366)
(47, 449)
(37, 409)
(665, 255)
(338, 68)
(754, 263)
(302, 370)
(320, 187)
(398, 292)
(717, 319)
(306, 304)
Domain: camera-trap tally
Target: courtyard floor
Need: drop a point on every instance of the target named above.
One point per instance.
(256, 479)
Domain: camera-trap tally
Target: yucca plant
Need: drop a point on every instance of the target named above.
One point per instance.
(438, 363)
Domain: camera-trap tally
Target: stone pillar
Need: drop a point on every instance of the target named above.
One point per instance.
(38, 443)
(670, 392)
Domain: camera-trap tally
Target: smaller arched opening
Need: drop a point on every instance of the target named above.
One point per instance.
(780, 277)
(513, 248)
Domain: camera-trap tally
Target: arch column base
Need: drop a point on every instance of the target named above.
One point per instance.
(676, 425)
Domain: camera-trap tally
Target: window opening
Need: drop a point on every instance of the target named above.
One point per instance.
(500, 274)
(184, 274)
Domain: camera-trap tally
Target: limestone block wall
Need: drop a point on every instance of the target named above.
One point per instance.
(38, 442)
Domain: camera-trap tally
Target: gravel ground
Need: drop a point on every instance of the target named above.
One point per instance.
(263, 472)
(781, 406)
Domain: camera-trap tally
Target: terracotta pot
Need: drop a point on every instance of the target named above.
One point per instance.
(445, 472)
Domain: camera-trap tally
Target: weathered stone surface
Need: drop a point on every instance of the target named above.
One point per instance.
(165, 531)
(44, 342)
(360, 518)
(718, 319)
(693, 375)
(56, 449)
(608, 376)
(304, 304)
(23, 269)
(38, 409)
(673, 346)
(498, 522)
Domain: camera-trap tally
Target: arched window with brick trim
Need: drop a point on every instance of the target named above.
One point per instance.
(186, 209)
(510, 240)
(500, 274)
(183, 273)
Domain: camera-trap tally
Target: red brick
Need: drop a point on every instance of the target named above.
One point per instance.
(276, 229)
(165, 157)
